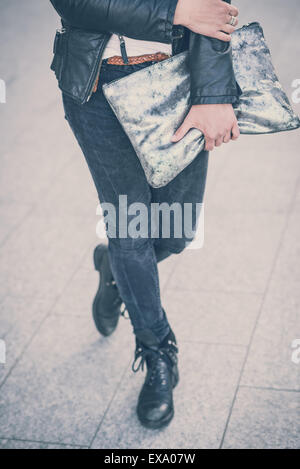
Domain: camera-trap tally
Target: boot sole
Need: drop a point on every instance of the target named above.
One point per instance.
(99, 252)
(157, 425)
(167, 419)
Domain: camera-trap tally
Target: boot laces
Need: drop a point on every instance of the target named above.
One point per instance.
(142, 353)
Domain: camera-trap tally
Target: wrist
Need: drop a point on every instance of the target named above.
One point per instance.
(180, 14)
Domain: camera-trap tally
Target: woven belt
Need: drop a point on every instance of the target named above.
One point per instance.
(137, 59)
(132, 60)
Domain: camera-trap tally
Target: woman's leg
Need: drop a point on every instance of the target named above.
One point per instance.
(117, 172)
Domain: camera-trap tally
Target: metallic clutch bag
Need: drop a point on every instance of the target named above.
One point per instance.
(151, 104)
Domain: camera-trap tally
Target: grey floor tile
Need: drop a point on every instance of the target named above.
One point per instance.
(270, 362)
(77, 298)
(252, 183)
(216, 164)
(297, 200)
(11, 215)
(260, 11)
(203, 397)
(75, 191)
(40, 258)
(166, 269)
(287, 69)
(285, 280)
(19, 444)
(214, 317)
(237, 254)
(19, 320)
(30, 84)
(44, 157)
(264, 419)
(64, 382)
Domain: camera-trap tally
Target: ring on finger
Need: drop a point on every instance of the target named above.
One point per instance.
(232, 21)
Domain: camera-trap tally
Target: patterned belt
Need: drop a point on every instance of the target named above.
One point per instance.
(132, 60)
(137, 59)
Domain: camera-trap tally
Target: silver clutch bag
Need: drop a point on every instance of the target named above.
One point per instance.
(145, 106)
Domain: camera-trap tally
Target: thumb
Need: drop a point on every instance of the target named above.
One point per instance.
(180, 132)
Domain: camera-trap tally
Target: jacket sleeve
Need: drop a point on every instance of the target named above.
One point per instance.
(150, 20)
(212, 75)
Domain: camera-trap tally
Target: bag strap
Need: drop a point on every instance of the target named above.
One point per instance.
(123, 49)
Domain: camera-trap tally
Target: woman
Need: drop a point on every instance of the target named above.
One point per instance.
(88, 54)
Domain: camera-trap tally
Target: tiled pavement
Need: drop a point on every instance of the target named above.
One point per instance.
(234, 304)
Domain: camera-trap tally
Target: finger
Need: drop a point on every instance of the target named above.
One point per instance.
(181, 132)
(227, 137)
(209, 144)
(219, 142)
(229, 18)
(227, 28)
(232, 10)
(222, 36)
(235, 132)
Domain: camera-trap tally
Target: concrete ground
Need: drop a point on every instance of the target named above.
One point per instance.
(234, 304)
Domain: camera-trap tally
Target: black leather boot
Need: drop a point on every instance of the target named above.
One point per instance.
(155, 407)
(107, 303)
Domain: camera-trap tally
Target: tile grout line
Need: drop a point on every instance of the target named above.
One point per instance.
(20, 223)
(109, 405)
(211, 290)
(214, 344)
(43, 442)
(283, 233)
(267, 388)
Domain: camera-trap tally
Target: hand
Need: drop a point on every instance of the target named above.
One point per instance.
(208, 17)
(217, 122)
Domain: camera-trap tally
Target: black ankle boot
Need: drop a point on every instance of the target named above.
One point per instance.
(107, 302)
(155, 407)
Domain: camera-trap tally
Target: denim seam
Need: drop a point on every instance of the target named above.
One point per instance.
(154, 265)
(130, 289)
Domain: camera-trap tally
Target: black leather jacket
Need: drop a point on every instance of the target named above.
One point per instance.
(87, 26)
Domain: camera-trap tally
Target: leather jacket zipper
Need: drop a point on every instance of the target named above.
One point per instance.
(123, 49)
(90, 90)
